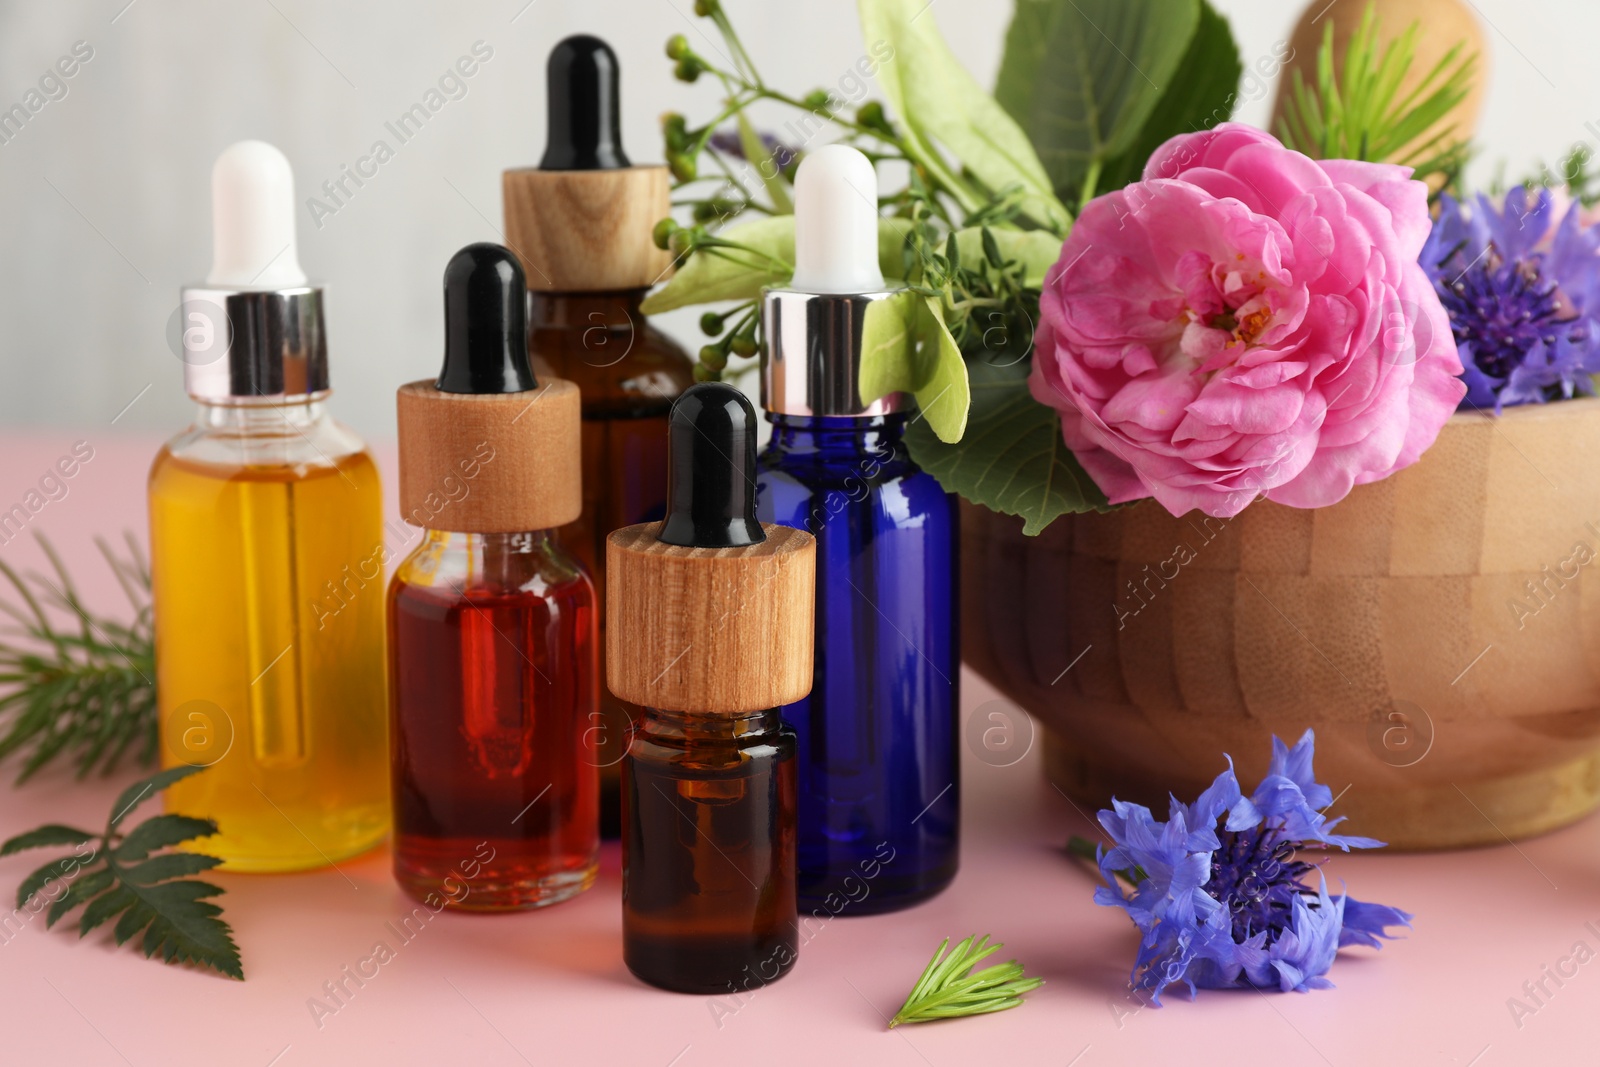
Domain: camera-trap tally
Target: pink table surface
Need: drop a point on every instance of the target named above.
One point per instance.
(549, 987)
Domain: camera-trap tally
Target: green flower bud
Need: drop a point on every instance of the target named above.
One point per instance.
(677, 46)
(688, 69)
(681, 243)
(703, 373)
(705, 8)
(743, 344)
(713, 357)
(662, 234)
(816, 99)
(711, 325)
(872, 117)
(682, 166)
(675, 130)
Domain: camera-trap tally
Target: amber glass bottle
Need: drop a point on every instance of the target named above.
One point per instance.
(628, 374)
(492, 625)
(708, 890)
(711, 632)
(581, 222)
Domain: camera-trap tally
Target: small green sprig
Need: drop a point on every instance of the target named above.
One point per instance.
(948, 989)
(1577, 173)
(86, 689)
(137, 879)
(1357, 113)
(868, 128)
(990, 307)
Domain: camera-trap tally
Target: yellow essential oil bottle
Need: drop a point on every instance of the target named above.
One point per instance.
(267, 557)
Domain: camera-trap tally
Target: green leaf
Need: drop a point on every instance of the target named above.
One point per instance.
(948, 989)
(136, 918)
(143, 790)
(906, 348)
(184, 927)
(1199, 95)
(944, 394)
(54, 870)
(939, 103)
(143, 892)
(159, 832)
(758, 157)
(715, 274)
(76, 894)
(1083, 77)
(168, 865)
(104, 908)
(1012, 458)
(51, 834)
(888, 346)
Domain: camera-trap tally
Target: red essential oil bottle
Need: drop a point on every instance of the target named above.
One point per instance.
(493, 628)
(711, 629)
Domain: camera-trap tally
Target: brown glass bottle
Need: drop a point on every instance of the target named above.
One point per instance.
(628, 373)
(708, 861)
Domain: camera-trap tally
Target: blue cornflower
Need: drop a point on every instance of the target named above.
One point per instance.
(1219, 890)
(729, 143)
(1522, 290)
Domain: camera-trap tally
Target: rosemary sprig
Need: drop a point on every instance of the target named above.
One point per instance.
(86, 689)
(1358, 113)
(129, 877)
(947, 989)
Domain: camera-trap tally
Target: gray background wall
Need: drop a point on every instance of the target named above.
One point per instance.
(104, 202)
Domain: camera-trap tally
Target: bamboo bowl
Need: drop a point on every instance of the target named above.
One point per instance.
(1440, 630)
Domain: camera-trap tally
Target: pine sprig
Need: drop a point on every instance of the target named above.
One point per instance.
(948, 989)
(131, 878)
(1358, 113)
(84, 688)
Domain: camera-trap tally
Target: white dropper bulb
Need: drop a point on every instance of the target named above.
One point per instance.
(836, 223)
(252, 219)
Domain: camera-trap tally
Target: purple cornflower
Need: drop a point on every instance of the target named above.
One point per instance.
(1523, 294)
(1220, 891)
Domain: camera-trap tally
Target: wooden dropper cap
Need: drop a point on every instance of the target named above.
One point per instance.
(710, 611)
(582, 220)
(486, 448)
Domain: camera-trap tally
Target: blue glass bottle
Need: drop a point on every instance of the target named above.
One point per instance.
(879, 788)
(878, 783)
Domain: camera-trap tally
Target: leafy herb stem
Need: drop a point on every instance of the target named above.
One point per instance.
(136, 878)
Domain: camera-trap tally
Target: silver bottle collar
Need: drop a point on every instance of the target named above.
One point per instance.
(241, 343)
(811, 359)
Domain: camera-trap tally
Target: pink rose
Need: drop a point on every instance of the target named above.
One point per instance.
(1247, 322)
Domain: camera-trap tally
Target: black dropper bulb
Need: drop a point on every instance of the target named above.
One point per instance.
(711, 470)
(581, 85)
(485, 323)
